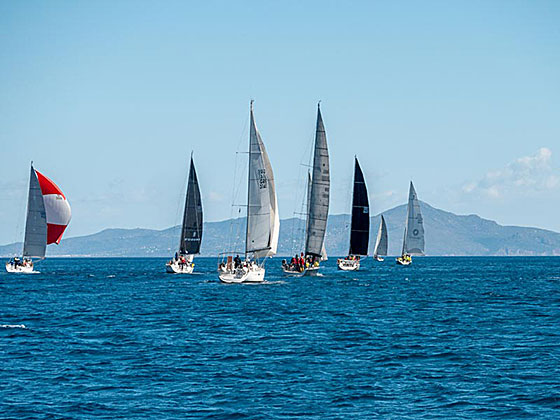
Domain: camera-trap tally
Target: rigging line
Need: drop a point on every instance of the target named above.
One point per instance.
(298, 226)
(236, 189)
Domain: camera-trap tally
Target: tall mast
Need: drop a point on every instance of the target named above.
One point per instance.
(251, 122)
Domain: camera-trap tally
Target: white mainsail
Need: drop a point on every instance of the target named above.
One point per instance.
(263, 221)
(381, 242)
(35, 242)
(413, 243)
(319, 193)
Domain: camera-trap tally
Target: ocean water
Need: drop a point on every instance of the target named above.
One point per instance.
(121, 339)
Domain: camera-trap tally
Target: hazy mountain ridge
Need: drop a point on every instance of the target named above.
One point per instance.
(446, 234)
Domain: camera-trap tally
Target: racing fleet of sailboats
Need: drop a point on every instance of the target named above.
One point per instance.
(48, 215)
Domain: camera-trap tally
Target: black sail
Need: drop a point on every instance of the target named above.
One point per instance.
(359, 230)
(191, 232)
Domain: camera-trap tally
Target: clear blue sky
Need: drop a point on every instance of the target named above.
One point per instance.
(109, 97)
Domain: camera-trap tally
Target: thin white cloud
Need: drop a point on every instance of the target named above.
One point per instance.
(534, 173)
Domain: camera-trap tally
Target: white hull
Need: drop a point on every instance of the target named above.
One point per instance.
(380, 259)
(403, 262)
(348, 265)
(177, 268)
(251, 274)
(312, 271)
(289, 272)
(10, 268)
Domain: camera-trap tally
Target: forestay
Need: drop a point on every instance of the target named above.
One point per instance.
(359, 226)
(263, 223)
(191, 232)
(381, 242)
(319, 194)
(413, 243)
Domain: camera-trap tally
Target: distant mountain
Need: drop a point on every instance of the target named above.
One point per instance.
(446, 234)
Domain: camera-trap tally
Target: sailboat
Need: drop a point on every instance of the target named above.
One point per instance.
(359, 225)
(413, 241)
(191, 229)
(318, 193)
(48, 214)
(381, 242)
(263, 222)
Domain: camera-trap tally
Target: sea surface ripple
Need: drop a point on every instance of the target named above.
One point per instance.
(444, 338)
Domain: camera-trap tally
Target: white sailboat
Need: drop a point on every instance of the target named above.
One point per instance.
(263, 223)
(317, 211)
(381, 243)
(48, 214)
(191, 229)
(359, 224)
(413, 241)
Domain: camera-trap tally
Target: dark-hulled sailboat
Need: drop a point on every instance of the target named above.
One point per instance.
(359, 225)
(191, 229)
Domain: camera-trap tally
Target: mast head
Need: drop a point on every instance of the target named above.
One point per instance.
(251, 105)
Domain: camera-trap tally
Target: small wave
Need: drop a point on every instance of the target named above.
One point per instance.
(111, 276)
(13, 326)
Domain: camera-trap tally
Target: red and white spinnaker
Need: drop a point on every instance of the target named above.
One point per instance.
(57, 209)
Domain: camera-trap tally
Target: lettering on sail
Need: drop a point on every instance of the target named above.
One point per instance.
(262, 178)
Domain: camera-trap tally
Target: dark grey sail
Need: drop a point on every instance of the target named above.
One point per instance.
(319, 193)
(191, 232)
(35, 242)
(413, 243)
(324, 256)
(382, 241)
(359, 226)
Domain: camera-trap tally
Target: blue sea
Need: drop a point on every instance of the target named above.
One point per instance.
(446, 338)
